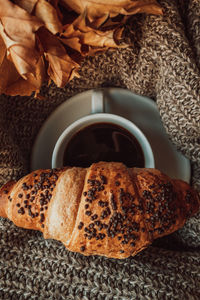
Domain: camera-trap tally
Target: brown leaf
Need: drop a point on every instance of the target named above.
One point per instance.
(47, 39)
(2, 50)
(55, 3)
(78, 35)
(48, 14)
(20, 39)
(22, 69)
(99, 11)
(44, 11)
(61, 67)
(13, 84)
(28, 5)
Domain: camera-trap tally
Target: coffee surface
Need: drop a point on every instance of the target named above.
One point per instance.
(103, 142)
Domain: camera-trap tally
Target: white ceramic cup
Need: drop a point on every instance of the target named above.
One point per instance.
(99, 116)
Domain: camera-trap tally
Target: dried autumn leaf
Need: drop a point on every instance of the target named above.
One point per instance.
(47, 13)
(32, 31)
(20, 40)
(22, 68)
(2, 50)
(28, 5)
(99, 10)
(44, 11)
(78, 35)
(61, 67)
(13, 84)
(55, 3)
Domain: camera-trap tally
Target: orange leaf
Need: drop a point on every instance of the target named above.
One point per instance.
(99, 10)
(13, 62)
(17, 28)
(47, 39)
(13, 84)
(44, 11)
(28, 5)
(61, 67)
(78, 34)
(48, 14)
(2, 50)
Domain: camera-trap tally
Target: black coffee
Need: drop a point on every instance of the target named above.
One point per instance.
(103, 142)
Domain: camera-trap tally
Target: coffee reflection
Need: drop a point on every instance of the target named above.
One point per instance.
(103, 142)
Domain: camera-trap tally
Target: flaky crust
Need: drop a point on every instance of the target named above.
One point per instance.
(106, 209)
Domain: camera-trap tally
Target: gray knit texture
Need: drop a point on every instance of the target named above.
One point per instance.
(163, 63)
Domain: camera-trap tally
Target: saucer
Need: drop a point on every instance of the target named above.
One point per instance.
(139, 109)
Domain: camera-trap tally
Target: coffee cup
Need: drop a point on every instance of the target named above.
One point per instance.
(102, 136)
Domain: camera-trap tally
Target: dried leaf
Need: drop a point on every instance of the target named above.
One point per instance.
(20, 40)
(46, 39)
(28, 5)
(78, 35)
(55, 3)
(61, 67)
(44, 11)
(99, 11)
(2, 50)
(22, 68)
(48, 14)
(13, 84)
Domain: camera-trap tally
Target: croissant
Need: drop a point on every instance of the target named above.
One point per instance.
(106, 209)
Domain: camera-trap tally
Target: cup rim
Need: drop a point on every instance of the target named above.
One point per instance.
(111, 118)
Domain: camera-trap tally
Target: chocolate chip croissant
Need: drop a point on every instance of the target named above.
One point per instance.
(106, 209)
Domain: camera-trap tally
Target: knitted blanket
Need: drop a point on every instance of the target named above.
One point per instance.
(163, 63)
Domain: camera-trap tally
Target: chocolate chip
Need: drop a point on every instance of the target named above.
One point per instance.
(97, 223)
(103, 179)
(101, 203)
(91, 182)
(21, 211)
(82, 248)
(88, 212)
(94, 217)
(80, 226)
(102, 236)
(113, 202)
(42, 217)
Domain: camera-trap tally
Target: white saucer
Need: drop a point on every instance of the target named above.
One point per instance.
(141, 110)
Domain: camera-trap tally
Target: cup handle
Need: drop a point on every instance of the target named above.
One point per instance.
(97, 105)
